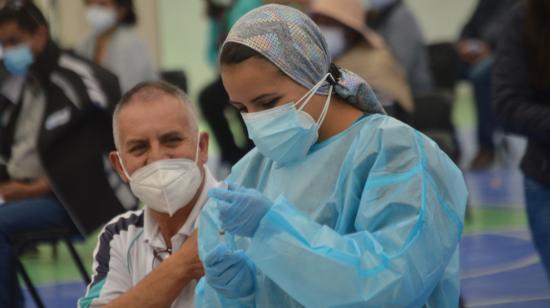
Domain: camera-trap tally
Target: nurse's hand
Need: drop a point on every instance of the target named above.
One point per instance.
(232, 275)
(241, 209)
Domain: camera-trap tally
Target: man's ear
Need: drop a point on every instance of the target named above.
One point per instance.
(203, 147)
(115, 161)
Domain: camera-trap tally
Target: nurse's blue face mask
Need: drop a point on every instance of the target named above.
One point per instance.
(286, 133)
(18, 59)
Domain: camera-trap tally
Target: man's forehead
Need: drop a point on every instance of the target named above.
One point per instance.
(159, 106)
(154, 116)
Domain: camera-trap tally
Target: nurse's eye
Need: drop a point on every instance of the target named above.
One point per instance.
(241, 109)
(270, 104)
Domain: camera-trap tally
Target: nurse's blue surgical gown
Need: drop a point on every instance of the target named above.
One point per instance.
(372, 217)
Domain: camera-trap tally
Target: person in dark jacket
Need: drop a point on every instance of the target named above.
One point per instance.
(213, 99)
(521, 89)
(475, 49)
(54, 139)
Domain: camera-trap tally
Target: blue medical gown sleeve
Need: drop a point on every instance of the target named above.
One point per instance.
(405, 233)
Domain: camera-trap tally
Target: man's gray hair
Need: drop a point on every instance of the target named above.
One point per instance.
(150, 91)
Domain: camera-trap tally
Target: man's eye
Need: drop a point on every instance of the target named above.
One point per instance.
(137, 149)
(175, 140)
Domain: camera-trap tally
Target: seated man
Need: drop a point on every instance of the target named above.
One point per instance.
(54, 129)
(148, 258)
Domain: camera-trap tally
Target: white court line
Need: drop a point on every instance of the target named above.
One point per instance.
(519, 233)
(507, 300)
(521, 263)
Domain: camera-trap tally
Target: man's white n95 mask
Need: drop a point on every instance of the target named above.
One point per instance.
(166, 185)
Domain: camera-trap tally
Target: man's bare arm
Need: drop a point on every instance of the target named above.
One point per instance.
(164, 284)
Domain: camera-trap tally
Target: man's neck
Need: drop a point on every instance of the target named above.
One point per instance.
(170, 225)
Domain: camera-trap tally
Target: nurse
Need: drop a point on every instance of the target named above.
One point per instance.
(338, 204)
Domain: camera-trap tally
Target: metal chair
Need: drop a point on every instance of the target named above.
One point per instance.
(26, 239)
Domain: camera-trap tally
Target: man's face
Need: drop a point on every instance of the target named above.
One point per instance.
(154, 130)
(11, 35)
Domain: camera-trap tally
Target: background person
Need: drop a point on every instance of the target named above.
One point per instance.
(352, 45)
(53, 138)
(475, 48)
(396, 24)
(115, 44)
(521, 88)
(213, 99)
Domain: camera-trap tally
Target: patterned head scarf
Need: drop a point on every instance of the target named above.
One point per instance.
(292, 41)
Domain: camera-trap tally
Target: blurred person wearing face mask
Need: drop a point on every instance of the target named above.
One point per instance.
(394, 21)
(354, 46)
(148, 258)
(114, 43)
(54, 136)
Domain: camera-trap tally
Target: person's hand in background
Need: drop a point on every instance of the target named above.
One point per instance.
(473, 51)
(14, 190)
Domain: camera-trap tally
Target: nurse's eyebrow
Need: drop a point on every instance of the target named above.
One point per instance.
(255, 100)
(263, 96)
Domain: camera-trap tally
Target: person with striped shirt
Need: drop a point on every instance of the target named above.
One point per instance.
(149, 258)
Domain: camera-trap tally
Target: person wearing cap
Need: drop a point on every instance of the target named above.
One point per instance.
(394, 21)
(339, 205)
(352, 45)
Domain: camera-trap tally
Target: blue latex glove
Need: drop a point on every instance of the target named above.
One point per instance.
(231, 274)
(241, 209)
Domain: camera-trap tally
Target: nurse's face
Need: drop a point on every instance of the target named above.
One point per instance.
(256, 85)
